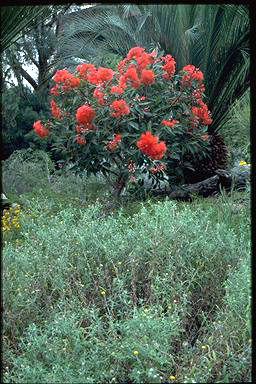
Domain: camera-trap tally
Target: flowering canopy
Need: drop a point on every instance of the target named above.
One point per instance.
(135, 116)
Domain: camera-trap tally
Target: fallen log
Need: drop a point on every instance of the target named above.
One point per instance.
(236, 179)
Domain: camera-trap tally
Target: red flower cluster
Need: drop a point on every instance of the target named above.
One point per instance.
(149, 145)
(68, 80)
(140, 98)
(131, 166)
(198, 93)
(85, 70)
(122, 66)
(113, 144)
(157, 168)
(205, 137)
(137, 72)
(135, 52)
(201, 114)
(95, 76)
(104, 75)
(169, 67)
(98, 94)
(131, 74)
(170, 123)
(144, 60)
(190, 72)
(120, 107)
(56, 112)
(147, 76)
(85, 114)
(80, 140)
(55, 90)
(40, 129)
(117, 89)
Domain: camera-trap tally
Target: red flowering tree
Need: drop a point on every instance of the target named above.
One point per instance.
(143, 118)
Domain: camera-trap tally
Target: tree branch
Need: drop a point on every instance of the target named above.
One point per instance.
(25, 74)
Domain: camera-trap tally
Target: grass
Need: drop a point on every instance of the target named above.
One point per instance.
(156, 292)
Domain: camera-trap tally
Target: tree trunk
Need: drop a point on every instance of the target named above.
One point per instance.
(236, 179)
(119, 185)
(114, 202)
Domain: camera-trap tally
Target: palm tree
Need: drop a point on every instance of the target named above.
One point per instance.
(215, 38)
(16, 19)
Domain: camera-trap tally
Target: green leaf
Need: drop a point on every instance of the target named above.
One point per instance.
(134, 125)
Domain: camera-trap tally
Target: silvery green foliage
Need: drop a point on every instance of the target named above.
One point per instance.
(25, 170)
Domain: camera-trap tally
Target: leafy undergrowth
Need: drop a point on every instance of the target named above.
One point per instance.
(157, 291)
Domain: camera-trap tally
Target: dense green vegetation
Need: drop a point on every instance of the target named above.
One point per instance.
(154, 291)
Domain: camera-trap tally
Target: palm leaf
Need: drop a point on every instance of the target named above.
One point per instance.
(17, 18)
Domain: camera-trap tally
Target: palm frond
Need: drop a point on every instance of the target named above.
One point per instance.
(17, 18)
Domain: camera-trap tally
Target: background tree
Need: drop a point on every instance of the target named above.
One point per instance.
(26, 41)
(36, 47)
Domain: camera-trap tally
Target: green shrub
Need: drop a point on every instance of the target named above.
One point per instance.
(83, 187)
(26, 170)
(132, 297)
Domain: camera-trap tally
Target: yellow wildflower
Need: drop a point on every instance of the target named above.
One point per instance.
(243, 163)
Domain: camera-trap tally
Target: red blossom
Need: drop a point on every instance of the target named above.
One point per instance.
(99, 95)
(120, 107)
(147, 76)
(132, 75)
(135, 52)
(112, 145)
(118, 138)
(198, 75)
(122, 82)
(122, 66)
(80, 140)
(190, 72)
(117, 89)
(104, 75)
(205, 137)
(85, 69)
(201, 113)
(85, 114)
(150, 146)
(55, 90)
(65, 77)
(131, 166)
(61, 75)
(56, 112)
(157, 168)
(40, 129)
(169, 123)
(169, 67)
(144, 60)
(74, 82)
